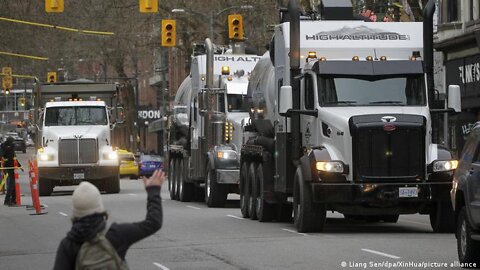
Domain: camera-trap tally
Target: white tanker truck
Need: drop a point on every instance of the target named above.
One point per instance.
(342, 122)
(206, 127)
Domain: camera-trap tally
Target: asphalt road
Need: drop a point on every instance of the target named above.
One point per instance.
(196, 237)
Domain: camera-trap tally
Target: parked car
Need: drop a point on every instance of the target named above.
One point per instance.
(465, 196)
(148, 164)
(19, 144)
(128, 164)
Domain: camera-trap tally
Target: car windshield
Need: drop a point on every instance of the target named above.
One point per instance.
(75, 116)
(151, 158)
(368, 91)
(236, 103)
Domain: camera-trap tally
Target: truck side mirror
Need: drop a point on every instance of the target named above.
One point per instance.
(285, 99)
(119, 115)
(454, 98)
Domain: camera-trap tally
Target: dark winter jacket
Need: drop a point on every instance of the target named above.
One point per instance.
(8, 153)
(122, 236)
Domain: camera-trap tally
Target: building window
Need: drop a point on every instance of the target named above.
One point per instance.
(470, 14)
(451, 10)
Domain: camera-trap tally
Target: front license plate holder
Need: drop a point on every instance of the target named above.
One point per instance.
(78, 176)
(408, 192)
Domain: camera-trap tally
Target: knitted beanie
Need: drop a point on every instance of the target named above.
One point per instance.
(86, 200)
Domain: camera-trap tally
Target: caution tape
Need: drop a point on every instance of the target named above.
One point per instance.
(10, 168)
(69, 29)
(25, 56)
(19, 76)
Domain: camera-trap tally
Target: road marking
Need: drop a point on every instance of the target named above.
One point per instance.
(63, 214)
(414, 222)
(193, 207)
(132, 194)
(292, 231)
(381, 253)
(160, 266)
(232, 216)
(44, 205)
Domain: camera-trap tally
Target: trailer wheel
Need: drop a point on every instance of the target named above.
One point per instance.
(171, 179)
(45, 187)
(308, 217)
(112, 185)
(185, 190)
(215, 194)
(466, 246)
(442, 218)
(264, 210)
(251, 182)
(244, 194)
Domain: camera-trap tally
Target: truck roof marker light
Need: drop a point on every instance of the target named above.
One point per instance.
(229, 78)
(323, 59)
(203, 78)
(99, 99)
(369, 58)
(355, 58)
(225, 70)
(383, 58)
(70, 99)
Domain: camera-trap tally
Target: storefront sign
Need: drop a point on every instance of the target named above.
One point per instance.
(465, 72)
(149, 114)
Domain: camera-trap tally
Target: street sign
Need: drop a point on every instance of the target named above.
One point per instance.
(7, 80)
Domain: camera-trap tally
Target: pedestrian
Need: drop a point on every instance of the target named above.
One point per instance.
(9, 157)
(89, 226)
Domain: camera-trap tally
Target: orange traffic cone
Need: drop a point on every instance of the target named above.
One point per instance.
(17, 183)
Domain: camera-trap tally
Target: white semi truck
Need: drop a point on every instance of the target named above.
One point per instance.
(206, 127)
(342, 122)
(73, 140)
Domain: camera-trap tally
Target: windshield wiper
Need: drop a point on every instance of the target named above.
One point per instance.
(341, 102)
(386, 102)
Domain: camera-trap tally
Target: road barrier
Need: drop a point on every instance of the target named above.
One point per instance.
(33, 175)
(18, 200)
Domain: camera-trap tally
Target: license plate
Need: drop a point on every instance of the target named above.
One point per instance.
(153, 166)
(408, 192)
(79, 176)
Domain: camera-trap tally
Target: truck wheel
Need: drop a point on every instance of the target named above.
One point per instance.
(178, 176)
(466, 246)
(264, 210)
(308, 216)
(215, 194)
(244, 194)
(442, 218)
(45, 187)
(185, 190)
(171, 179)
(251, 182)
(112, 185)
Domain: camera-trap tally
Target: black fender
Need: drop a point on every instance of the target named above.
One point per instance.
(444, 153)
(307, 163)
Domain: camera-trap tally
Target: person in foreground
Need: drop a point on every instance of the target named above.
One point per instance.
(88, 233)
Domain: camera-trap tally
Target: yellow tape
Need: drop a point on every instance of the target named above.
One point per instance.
(69, 29)
(9, 168)
(3, 181)
(24, 56)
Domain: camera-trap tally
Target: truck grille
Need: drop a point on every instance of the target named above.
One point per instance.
(78, 151)
(389, 156)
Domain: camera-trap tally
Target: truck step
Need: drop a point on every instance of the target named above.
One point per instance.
(476, 237)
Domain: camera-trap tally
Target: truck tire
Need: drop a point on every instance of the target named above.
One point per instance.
(251, 181)
(45, 187)
(185, 189)
(178, 176)
(308, 216)
(466, 246)
(112, 185)
(442, 218)
(244, 194)
(264, 210)
(171, 179)
(215, 194)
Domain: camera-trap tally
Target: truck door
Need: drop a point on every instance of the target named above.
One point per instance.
(309, 124)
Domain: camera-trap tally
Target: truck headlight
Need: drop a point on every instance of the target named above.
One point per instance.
(45, 156)
(110, 155)
(330, 166)
(445, 165)
(227, 154)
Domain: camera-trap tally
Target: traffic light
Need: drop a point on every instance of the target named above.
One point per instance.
(235, 27)
(169, 35)
(21, 101)
(148, 6)
(54, 6)
(7, 80)
(52, 77)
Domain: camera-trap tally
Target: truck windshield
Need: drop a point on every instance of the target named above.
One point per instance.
(75, 116)
(236, 103)
(398, 91)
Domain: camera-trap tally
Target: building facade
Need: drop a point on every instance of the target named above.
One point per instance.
(458, 39)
